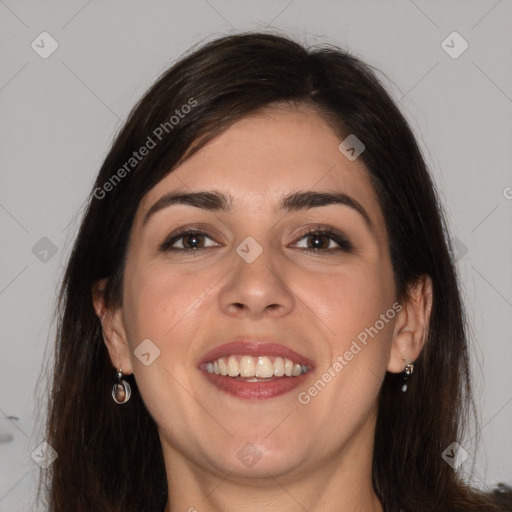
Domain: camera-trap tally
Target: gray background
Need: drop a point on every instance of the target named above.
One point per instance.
(59, 116)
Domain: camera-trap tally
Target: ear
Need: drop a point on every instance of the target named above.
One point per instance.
(411, 326)
(114, 333)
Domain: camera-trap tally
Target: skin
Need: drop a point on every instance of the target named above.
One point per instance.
(315, 456)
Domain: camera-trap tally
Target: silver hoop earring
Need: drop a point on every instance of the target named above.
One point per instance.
(121, 390)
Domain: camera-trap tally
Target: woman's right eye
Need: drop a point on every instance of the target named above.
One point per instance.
(189, 241)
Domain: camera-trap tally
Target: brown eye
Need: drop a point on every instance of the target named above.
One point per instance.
(325, 240)
(193, 241)
(189, 241)
(318, 241)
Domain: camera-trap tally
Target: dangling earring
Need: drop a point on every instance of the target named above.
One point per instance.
(121, 390)
(408, 370)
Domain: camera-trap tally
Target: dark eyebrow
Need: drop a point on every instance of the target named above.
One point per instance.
(212, 201)
(216, 201)
(306, 200)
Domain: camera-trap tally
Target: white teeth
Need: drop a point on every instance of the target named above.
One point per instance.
(253, 369)
(288, 367)
(233, 367)
(223, 369)
(279, 367)
(247, 367)
(264, 368)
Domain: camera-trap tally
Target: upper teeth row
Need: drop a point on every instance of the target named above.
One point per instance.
(247, 366)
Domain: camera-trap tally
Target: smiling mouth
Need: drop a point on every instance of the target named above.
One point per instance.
(254, 369)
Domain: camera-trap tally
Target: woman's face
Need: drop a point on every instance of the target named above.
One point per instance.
(254, 276)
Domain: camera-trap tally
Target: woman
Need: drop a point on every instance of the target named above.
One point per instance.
(261, 310)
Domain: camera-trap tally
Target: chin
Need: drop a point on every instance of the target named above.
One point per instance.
(258, 459)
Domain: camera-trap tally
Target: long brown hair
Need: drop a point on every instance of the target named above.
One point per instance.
(110, 458)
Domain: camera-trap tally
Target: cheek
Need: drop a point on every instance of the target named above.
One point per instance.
(167, 305)
(357, 341)
(158, 298)
(357, 308)
(351, 300)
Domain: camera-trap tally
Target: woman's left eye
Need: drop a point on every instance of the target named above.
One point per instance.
(321, 240)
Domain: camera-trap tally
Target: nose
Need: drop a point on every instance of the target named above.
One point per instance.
(257, 289)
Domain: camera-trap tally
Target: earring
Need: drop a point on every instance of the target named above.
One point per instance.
(408, 370)
(121, 390)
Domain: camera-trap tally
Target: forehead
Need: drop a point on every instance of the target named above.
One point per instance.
(267, 155)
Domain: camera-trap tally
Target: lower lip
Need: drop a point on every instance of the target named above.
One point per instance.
(255, 390)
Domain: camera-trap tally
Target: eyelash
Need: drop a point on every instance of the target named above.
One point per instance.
(328, 231)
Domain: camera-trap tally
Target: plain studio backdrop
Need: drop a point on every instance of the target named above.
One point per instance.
(70, 72)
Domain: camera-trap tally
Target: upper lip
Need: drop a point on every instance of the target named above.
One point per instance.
(253, 347)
